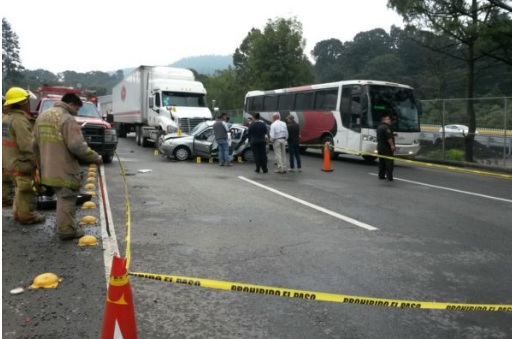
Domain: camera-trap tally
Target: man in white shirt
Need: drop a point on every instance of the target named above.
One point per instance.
(278, 137)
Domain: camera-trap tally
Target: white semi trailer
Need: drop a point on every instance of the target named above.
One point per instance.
(156, 100)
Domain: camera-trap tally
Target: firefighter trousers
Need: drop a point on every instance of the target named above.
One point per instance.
(7, 189)
(24, 205)
(66, 209)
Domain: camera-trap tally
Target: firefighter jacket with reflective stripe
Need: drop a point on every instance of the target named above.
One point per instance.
(59, 145)
(17, 154)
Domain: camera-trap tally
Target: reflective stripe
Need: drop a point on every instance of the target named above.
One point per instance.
(9, 143)
(16, 173)
(59, 182)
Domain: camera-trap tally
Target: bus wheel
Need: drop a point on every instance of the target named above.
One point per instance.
(369, 158)
(328, 139)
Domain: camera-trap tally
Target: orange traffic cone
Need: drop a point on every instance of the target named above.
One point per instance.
(327, 159)
(119, 317)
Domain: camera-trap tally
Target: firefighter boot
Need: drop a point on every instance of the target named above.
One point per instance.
(34, 218)
(70, 233)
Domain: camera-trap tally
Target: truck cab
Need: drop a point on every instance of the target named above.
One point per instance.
(98, 133)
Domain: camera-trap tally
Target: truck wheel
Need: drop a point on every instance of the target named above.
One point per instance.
(182, 153)
(145, 142)
(108, 157)
(138, 135)
(159, 140)
(121, 130)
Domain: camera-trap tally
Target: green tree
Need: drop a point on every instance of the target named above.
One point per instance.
(11, 62)
(365, 47)
(273, 58)
(328, 60)
(224, 89)
(464, 22)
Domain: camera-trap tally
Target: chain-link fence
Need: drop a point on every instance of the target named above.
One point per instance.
(492, 144)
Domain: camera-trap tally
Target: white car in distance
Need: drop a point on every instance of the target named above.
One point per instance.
(455, 130)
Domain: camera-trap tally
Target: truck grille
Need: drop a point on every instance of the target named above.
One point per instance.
(187, 124)
(93, 133)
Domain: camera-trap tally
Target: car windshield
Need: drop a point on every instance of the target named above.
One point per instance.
(87, 110)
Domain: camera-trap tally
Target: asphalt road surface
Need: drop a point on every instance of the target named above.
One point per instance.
(432, 235)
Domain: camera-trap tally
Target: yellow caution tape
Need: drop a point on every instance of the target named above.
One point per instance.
(320, 296)
(420, 163)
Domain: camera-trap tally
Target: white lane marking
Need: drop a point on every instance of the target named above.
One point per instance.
(450, 189)
(318, 208)
(109, 243)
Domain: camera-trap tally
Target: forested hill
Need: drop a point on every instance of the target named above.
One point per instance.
(205, 64)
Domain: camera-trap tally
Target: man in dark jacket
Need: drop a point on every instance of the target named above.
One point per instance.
(293, 142)
(258, 136)
(385, 147)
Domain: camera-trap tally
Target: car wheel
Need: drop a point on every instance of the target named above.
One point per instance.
(182, 153)
(248, 155)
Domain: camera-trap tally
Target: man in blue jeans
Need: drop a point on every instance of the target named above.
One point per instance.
(221, 130)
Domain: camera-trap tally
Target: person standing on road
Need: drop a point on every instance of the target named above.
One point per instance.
(18, 159)
(221, 130)
(385, 147)
(293, 143)
(7, 181)
(257, 135)
(60, 145)
(278, 137)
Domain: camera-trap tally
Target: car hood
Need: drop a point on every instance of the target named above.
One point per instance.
(92, 121)
(175, 136)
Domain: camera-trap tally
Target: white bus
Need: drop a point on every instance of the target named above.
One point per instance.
(345, 114)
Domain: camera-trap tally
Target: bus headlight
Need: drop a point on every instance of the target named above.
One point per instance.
(369, 138)
(110, 135)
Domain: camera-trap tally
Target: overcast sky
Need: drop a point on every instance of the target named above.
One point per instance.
(107, 35)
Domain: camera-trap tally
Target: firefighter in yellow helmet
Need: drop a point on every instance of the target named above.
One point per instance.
(18, 157)
(7, 180)
(59, 143)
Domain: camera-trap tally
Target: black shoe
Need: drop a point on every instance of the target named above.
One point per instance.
(82, 197)
(265, 171)
(382, 178)
(390, 179)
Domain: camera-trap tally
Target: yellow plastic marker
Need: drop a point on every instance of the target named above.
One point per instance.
(46, 280)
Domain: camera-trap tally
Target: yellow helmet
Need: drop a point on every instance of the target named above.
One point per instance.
(15, 95)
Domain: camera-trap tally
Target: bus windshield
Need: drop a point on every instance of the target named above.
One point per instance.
(398, 101)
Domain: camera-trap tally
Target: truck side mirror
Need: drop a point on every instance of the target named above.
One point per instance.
(110, 118)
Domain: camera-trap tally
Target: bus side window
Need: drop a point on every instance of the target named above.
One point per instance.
(345, 105)
(304, 101)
